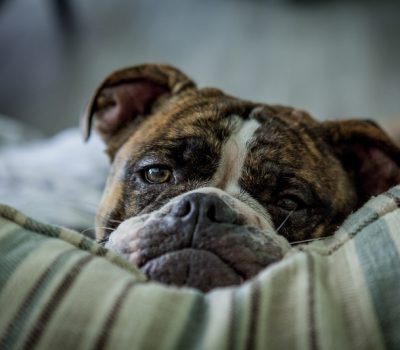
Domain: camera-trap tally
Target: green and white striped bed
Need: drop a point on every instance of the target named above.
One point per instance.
(60, 290)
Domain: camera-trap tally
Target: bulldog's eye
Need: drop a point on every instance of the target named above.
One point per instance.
(290, 203)
(157, 174)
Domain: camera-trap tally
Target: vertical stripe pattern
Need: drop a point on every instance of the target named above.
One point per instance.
(106, 328)
(59, 290)
(45, 316)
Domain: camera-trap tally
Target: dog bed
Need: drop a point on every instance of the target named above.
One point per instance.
(61, 290)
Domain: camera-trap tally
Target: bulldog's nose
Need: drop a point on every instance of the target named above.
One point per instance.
(202, 208)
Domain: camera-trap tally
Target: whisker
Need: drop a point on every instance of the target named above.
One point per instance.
(103, 240)
(116, 221)
(309, 240)
(94, 227)
(286, 219)
(106, 218)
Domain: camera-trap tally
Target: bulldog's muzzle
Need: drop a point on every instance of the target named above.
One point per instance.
(197, 240)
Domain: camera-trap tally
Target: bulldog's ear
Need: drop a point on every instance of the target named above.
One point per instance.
(128, 94)
(367, 153)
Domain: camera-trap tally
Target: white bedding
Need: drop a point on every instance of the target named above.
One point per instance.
(58, 180)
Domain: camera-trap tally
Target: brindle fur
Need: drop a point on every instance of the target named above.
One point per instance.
(185, 128)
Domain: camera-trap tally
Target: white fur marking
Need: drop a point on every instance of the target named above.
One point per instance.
(233, 155)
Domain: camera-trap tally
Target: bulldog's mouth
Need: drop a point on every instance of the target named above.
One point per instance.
(216, 257)
(205, 246)
(197, 268)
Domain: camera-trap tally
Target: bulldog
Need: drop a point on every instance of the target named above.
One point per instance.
(206, 190)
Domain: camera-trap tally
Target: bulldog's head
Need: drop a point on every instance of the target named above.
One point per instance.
(205, 189)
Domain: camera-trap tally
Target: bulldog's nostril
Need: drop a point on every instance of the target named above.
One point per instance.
(203, 209)
(211, 212)
(182, 209)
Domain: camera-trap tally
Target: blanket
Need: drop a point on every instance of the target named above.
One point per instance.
(58, 180)
(61, 290)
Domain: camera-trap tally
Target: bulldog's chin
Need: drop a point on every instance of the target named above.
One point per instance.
(190, 267)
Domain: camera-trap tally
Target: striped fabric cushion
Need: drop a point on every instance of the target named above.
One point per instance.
(60, 290)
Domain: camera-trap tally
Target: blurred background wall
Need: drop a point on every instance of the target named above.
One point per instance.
(332, 58)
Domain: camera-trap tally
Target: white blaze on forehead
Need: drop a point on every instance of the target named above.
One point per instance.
(233, 155)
